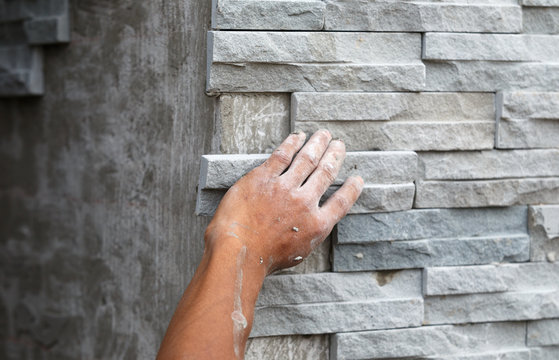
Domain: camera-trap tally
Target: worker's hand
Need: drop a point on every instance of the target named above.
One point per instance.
(275, 213)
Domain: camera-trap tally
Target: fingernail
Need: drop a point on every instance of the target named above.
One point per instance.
(360, 179)
(337, 139)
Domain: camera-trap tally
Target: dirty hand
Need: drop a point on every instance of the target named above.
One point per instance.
(275, 213)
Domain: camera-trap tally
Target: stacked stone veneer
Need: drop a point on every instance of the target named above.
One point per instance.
(450, 112)
(25, 26)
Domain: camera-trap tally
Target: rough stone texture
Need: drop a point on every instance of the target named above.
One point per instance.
(321, 318)
(421, 17)
(314, 347)
(530, 276)
(388, 255)
(519, 354)
(462, 280)
(540, 3)
(384, 197)
(431, 223)
(508, 306)
(540, 20)
(490, 278)
(98, 238)
(222, 171)
(479, 193)
(337, 287)
(498, 47)
(528, 120)
(544, 232)
(429, 341)
(490, 76)
(496, 164)
(388, 135)
(335, 106)
(313, 47)
(268, 15)
(545, 353)
(543, 333)
(529, 105)
(252, 123)
(256, 77)
(527, 134)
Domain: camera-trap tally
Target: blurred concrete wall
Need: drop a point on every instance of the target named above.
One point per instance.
(98, 236)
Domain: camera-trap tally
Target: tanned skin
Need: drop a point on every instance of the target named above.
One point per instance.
(269, 220)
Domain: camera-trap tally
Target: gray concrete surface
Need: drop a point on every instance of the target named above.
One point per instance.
(98, 236)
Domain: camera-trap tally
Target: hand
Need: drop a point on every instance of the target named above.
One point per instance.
(275, 213)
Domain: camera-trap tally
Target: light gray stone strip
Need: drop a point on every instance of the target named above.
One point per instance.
(429, 341)
(491, 76)
(495, 164)
(517, 354)
(421, 17)
(321, 318)
(252, 123)
(315, 77)
(490, 278)
(314, 347)
(498, 47)
(538, 20)
(462, 280)
(392, 106)
(545, 353)
(395, 135)
(222, 171)
(483, 193)
(508, 306)
(554, 3)
(390, 255)
(382, 198)
(313, 47)
(543, 333)
(526, 134)
(530, 276)
(268, 15)
(544, 232)
(335, 287)
(373, 198)
(419, 224)
(529, 105)
(375, 167)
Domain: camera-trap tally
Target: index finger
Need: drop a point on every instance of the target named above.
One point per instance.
(281, 157)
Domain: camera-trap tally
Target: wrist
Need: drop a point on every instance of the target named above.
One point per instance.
(227, 250)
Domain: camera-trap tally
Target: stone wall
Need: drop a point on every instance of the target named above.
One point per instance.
(450, 111)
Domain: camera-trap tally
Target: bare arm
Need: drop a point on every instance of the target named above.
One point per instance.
(269, 220)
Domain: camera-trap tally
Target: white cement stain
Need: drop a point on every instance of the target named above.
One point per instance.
(239, 320)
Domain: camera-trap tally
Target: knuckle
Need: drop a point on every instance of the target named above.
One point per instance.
(309, 159)
(282, 157)
(329, 172)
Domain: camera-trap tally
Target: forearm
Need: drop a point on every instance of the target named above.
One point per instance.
(219, 301)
